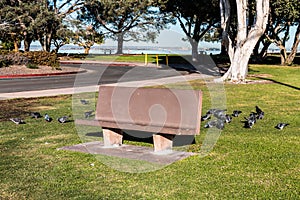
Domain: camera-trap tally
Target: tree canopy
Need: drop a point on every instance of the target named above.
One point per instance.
(125, 20)
(283, 15)
(195, 19)
(34, 20)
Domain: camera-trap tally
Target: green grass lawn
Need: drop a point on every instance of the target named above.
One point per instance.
(137, 58)
(257, 163)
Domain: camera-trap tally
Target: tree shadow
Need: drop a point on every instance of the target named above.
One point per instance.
(146, 137)
(280, 83)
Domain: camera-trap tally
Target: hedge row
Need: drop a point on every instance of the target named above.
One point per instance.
(31, 57)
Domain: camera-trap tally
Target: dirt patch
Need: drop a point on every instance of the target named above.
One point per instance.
(22, 69)
(23, 107)
(260, 75)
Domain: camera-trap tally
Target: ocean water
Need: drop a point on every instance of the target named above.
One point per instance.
(72, 49)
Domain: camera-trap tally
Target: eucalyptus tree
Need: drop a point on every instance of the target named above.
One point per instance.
(62, 37)
(284, 14)
(86, 36)
(48, 25)
(196, 18)
(240, 46)
(125, 20)
(34, 20)
(14, 21)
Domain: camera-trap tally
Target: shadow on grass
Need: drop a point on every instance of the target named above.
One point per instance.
(280, 83)
(146, 137)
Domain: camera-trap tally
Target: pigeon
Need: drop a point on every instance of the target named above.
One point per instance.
(88, 114)
(253, 117)
(249, 122)
(84, 102)
(236, 113)
(220, 124)
(260, 115)
(280, 126)
(219, 113)
(227, 118)
(35, 115)
(207, 116)
(17, 120)
(47, 118)
(259, 112)
(211, 111)
(210, 124)
(63, 119)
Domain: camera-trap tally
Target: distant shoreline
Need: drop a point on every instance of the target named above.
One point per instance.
(102, 49)
(73, 49)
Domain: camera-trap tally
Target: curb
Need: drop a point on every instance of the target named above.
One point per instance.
(107, 63)
(111, 64)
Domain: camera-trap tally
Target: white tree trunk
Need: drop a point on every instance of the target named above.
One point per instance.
(240, 53)
(195, 54)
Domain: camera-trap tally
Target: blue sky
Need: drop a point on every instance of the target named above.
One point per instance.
(172, 37)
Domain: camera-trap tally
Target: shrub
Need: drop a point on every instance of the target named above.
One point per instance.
(4, 62)
(32, 57)
(17, 58)
(42, 58)
(32, 66)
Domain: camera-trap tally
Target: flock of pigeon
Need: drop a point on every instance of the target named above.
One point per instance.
(37, 115)
(47, 118)
(214, 117)
(218, 118)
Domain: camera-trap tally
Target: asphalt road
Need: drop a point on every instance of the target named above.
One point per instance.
(96, 74)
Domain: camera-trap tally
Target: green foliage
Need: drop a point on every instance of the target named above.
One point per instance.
(7, 45)
(4, 62)
(125, 20)
(42, 58)
(194, 17)
(86, 37)
(282, 16)
(36, 20)
(32, 66)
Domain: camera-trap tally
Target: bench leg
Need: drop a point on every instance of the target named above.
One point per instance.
(112, 137)
(162, 142)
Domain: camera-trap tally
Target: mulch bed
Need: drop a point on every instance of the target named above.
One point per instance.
(22, 69)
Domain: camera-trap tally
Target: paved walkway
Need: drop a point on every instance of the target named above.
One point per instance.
(54, 92)
(72, 90)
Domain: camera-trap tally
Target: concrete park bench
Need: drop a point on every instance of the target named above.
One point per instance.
(162, 111)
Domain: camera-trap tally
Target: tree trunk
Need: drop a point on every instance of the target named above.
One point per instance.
(264, 51)
(293, 53)
(120, 43)
(27, 43)
(259, 56)
(48, 42)
(43, 41)
(283, 55)
(223, 50)
(87, 50)
(195, 54)
(16, 45)
(245, 40)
